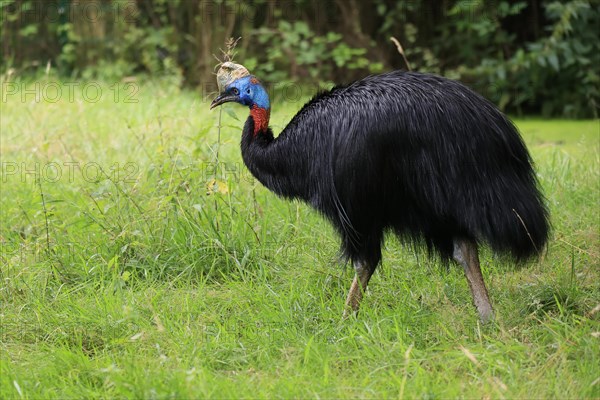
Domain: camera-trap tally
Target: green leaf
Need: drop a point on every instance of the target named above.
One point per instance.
(229, 111)
(541, 61)
(553, 61)
(29, 30)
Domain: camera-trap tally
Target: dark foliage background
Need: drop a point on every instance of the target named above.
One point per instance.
(534, 57)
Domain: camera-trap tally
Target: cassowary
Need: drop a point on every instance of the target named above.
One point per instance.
(419, 155)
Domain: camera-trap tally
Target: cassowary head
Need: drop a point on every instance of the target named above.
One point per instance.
(237, 85)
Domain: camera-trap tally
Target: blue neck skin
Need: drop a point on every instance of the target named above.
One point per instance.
(261, 98)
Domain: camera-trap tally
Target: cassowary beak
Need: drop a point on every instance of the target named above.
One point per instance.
(223, 98)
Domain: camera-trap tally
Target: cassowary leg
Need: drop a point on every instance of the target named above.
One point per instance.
(465, 253)
(358, 288)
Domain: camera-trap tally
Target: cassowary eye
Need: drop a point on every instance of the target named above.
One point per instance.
(235, 91)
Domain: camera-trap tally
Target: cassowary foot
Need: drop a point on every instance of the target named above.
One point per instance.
(357, 290)
(465, 253)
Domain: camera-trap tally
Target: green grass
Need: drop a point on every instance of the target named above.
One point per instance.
(139, 271)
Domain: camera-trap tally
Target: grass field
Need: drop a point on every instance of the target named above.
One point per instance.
(141, 260)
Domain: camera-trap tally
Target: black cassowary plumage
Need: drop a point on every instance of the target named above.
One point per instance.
(419, 155)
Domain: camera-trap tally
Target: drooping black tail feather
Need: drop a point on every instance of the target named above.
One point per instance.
(513, 219)
(520, 225)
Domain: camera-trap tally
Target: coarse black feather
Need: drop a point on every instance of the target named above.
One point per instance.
(417, 154)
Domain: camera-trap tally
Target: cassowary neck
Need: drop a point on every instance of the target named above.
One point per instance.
(260, 107)
(261, 118)
(271, 160)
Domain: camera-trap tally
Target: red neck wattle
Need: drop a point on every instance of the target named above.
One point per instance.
(261, 118)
